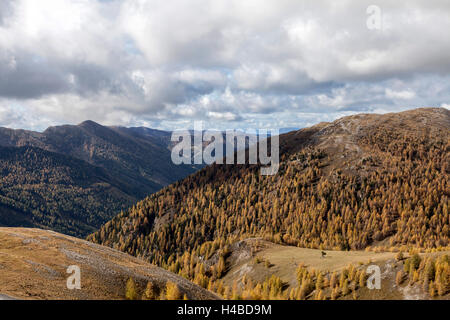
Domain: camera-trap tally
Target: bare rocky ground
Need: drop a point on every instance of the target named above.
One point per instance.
(34, 262)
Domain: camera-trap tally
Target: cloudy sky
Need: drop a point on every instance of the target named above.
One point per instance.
(231, 63)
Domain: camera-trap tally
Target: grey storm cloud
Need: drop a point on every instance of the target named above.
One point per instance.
(26, 76)
(230, 62)
(5, 10)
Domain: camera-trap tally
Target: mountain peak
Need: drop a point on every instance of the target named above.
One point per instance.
(89, 124)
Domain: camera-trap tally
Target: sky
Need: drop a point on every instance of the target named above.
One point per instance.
(230, 63)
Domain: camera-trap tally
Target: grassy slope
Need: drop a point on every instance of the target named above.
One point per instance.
(33, 265)
(259, 259)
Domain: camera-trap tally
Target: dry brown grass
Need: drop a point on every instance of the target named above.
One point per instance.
(33, 265)
(285, 260)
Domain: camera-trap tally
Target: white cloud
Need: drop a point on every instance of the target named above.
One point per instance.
(405, 94)
(161, 62)
(228, 116)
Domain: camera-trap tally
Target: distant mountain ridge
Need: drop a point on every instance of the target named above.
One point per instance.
(127, 164)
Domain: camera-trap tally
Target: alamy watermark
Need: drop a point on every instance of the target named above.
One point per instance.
(241, 147)
(74, 280)
(375, 18)
(374, 280)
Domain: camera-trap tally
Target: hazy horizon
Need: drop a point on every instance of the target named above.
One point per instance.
(168, 129)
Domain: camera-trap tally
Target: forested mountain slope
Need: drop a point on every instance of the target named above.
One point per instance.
(139, 157)
(72, 179)
(46, 189)
(348, 184)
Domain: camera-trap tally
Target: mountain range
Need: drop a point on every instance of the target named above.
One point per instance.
(362, 190)
(74, 178)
